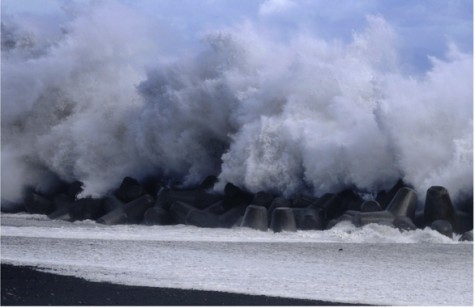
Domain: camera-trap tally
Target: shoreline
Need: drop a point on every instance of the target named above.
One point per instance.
(26, 286)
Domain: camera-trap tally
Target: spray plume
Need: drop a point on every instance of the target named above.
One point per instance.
(97, 101)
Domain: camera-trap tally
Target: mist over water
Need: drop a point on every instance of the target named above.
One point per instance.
(100, 96)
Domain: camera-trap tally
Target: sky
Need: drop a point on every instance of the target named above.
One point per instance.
(424, 27)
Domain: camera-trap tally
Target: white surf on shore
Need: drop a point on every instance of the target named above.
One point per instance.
(371, 265)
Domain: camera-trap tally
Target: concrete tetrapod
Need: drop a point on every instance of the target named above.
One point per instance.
(443, 227)
(189, 215)
(463, 222)
(303, 201)
(171, 196)
(180, 210)
(129, 190)
(419, 220)
(370, 206)
(255, 217)
(467, 237)
(308, 218)
(349, 200)
(283, 220)
(135, 209)
(158, 216)
(161, 198)
(231, 190)
(404, 203)
(404, 223)
(381, 217)
(233, 215)
(198, 199)
(465, 205)
(114, 217)
(235, 197)
(62, 202)
(86, 208)
(333, 206)
(131, 212)
(347, 216)
(385, 197)
(262, 198)
(111, 203)
(277, 202)
(438, 205)
(204, 199)
(202, 219)
(216, 208)
(37, 204)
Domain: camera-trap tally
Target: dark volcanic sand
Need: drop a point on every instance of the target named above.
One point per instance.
(26, 286)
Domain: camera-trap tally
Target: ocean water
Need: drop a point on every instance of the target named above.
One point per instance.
(370, 265)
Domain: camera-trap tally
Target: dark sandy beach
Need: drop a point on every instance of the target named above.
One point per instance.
(26, 286)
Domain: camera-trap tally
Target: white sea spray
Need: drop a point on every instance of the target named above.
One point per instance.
(95, 102)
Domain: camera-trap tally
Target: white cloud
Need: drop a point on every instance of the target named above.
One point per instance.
(275, 6)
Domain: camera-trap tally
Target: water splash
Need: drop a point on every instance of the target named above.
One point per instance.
(93, 103)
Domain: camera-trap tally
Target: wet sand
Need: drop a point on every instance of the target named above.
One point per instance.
(26, 286)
